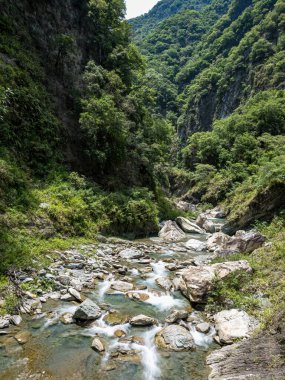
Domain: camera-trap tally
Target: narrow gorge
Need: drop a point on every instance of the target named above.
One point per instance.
(142, 182)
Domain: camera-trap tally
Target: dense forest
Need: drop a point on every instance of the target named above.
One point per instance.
(107, 124)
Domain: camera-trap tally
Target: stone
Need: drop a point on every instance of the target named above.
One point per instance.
(171, 232)
(97, 345)
(119, 333)
(142, 320)
(64, 280)
(164, 282)
(4, 323)
(137, 296)
(121, 286)
(196, 245)
(177, 315)
(67, 297)
(185, 206)
(66, 318)
(196, 282)
(217, 240)
(88, 310)
(210, 226)
(234, 324)
(16, 320)
(130, 254)
(188, 226)
(203, 327)
(174, 337)
(23, 337)
(115, 318)
(246, 242)
(75, 294)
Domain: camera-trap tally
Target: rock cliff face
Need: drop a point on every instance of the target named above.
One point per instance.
(261, 357)
(57, 33)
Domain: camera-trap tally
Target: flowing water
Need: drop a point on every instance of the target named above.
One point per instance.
(58, 351)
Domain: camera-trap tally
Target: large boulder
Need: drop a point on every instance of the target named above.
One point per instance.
(217, 240)
(165, 283)
(131, 254)
(121, 286)
(142, 320)
(188, 226)
(174, 337)
(87, 311)
(245, 242)
(196, 282)
(196, 245)
(171, 232)
(234, 324)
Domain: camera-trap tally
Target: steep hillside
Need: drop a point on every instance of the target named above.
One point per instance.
(145, 24)
(76, 131)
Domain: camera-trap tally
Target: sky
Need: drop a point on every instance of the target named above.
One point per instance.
(139, 7)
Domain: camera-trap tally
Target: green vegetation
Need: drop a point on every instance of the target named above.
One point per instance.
(262, 292)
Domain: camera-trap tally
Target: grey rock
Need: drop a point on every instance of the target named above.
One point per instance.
(234, 324)
(122, 286)
(165, 283)
(196, 245)
(171, 232)
(196, 282)
(16, 320)
(174, 337)
(177, 315)
(130, 254)
(142, 320)
(188, 226)
(75, 294)
(97, 345)
(88, 310)
(4, 323)
(203, 327)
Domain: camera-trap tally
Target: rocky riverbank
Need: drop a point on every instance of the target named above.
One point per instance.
(137, 302)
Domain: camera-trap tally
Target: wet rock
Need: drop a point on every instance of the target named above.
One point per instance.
(234, 324)
(66, 318)
(142, 320)
(203, 327)
(130, 254)
(88, 310)
(196, 245)
(137, 296)
(67, 297)
(197, 281)
(121, 286)
(97, 345)
(73, 292)
(171, 232)
(4, 323)
(164, 282)
(119, 333)
(188, 226)
(174, 337)
(177, 315)
(16, 320)
(23, 337)
(115, 318)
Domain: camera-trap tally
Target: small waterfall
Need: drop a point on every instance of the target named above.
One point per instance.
(200, 339)
(104, 286)
(149, 354)
(101, 327)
